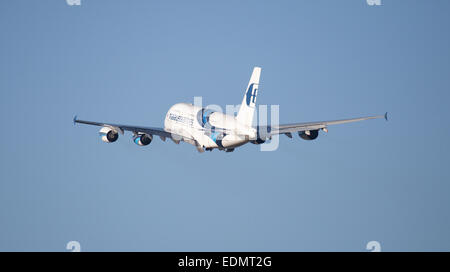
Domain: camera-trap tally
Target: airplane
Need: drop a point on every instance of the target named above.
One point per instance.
(209, 130)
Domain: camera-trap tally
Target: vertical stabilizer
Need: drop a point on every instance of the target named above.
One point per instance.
(247, 109)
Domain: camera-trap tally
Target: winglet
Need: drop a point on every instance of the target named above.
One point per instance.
(74, 119)
(385, 116)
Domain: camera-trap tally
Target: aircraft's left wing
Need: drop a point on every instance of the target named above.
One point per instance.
(138, 129)
(288, 129)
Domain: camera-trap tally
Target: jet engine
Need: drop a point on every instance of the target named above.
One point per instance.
(108, 135)
(308, 134)
(142, 139)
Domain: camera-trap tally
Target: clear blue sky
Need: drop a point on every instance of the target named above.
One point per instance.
(129, 61)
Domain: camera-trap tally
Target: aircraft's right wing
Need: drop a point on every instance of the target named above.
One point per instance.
(288, 129)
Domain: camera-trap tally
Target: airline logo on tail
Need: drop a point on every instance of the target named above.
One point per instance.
(252, 92)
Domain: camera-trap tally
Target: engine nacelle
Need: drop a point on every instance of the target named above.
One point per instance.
(108, 135)
(308, 135)
(142, 139)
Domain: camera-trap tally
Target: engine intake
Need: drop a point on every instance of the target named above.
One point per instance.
(108, 135)
(309, 134)
(142, 139)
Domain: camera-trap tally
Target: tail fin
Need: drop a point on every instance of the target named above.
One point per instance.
(247, 110)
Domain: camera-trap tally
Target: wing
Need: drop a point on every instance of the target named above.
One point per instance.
(137, 129)
(298, 127)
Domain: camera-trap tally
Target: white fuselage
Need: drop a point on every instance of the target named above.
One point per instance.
(209, 129)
